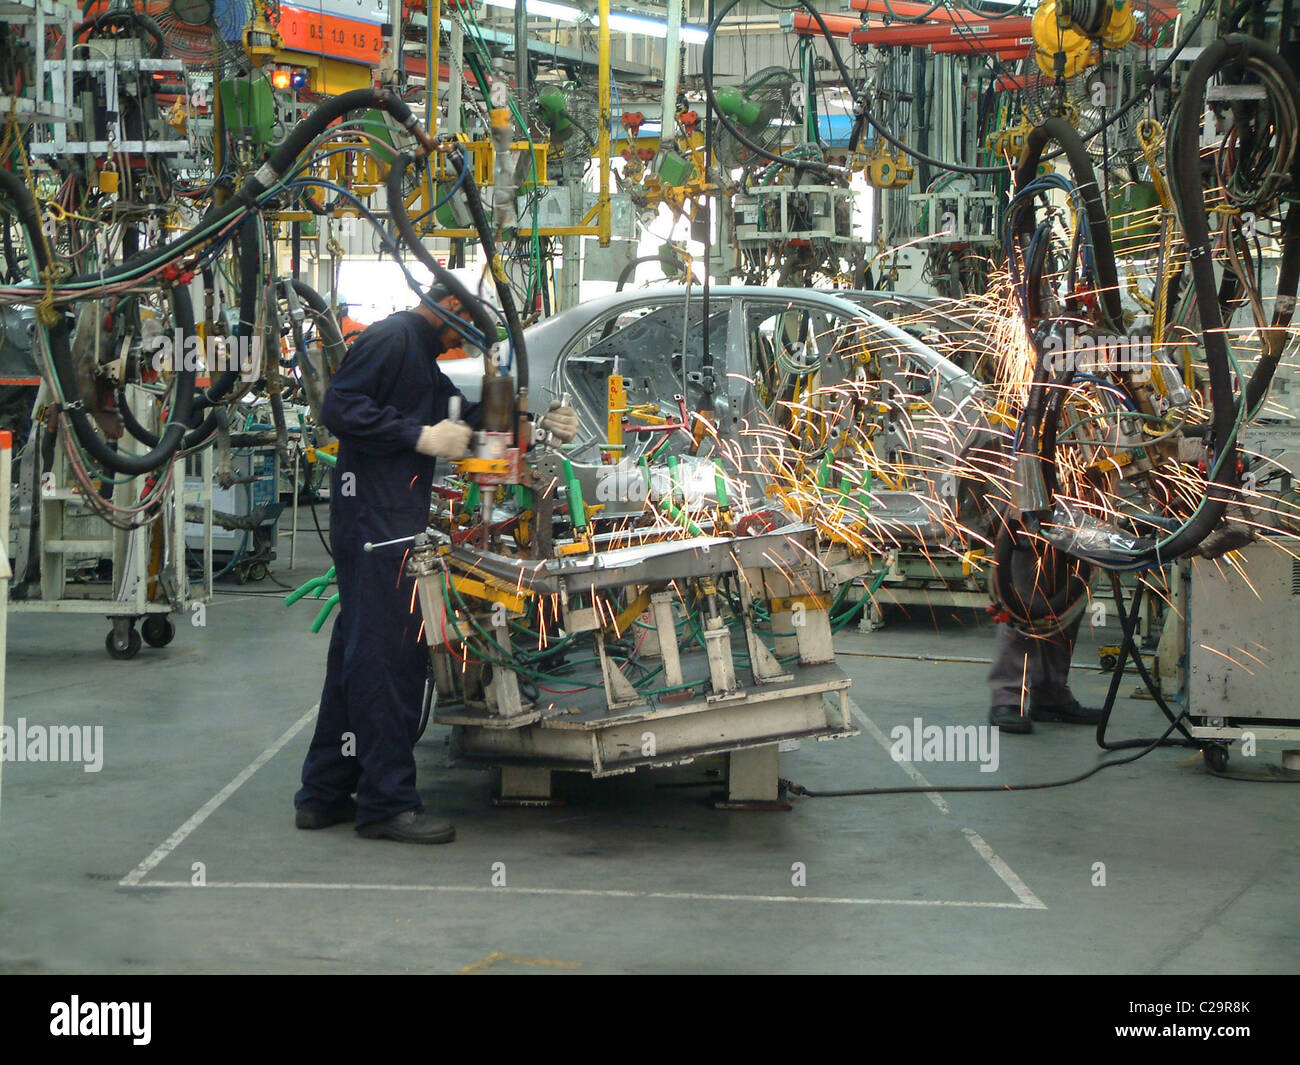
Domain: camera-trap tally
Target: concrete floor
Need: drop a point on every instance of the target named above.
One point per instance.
(204, 740)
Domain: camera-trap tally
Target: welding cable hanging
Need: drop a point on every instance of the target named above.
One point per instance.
(482, 319)
(246, 200)
(464, 171)
(867, 118)
(57, 337)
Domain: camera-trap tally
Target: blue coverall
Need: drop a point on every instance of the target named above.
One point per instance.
(388, 387)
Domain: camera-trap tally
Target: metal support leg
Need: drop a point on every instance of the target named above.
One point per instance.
(525, 786)
(503, 690)
(752, 780)
(722, 668)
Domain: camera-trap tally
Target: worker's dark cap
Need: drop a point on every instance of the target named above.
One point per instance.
(438, 292)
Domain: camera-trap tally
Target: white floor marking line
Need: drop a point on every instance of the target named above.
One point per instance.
(1028, 900)
(1004, 872)
(907, 767)
(208, 808)
(612, 893)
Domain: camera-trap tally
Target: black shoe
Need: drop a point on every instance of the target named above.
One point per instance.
(1010, 719)
(1070, 713)
(314, 815)
(410, 827)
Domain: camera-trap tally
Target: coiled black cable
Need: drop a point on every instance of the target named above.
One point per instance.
(13, 189)
(245, 201)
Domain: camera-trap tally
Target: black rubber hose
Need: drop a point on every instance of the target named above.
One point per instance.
(866, 117)
(183, 316)
(625, 275)
(483, 321)
(465, 172)
(250, 267)
(1039, 606)
(13, 189)
(327, 324)
(1042, 409)
(1288, 277)
(250, 260)
(280, 161)
(1188, 190)
(1085, 181)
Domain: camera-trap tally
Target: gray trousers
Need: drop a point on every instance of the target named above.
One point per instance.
(1031, 670)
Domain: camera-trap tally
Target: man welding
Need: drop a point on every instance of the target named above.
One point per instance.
(388, 404)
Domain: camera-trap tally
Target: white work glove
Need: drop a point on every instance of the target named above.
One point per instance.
(446, 440)
(560, 421)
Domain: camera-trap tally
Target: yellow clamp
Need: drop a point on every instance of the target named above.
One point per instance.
(309, 453)
(1116, 461)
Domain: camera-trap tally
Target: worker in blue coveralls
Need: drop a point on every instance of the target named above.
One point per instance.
(388, 404)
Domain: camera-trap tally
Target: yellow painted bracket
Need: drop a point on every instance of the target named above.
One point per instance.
(494, 466)
(808, 602)
(488, 592)
(634, 610)
(329, 451)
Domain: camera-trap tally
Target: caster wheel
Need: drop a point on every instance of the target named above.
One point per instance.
(123, 648)
(157, 630)
(1108, 663)
(1216, 757)
(258, 571)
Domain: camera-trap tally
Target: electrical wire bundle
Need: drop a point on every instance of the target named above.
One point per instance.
(192, 416)
(1254, 169)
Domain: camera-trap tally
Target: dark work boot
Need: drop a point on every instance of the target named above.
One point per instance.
(1010, 719)
(1070, 713)
(312, 815)
(412, 826)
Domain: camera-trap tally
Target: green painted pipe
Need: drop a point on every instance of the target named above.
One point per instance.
(330, 604)
(674, 481)
(316, 584)
(668, 508)
(577, 509)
